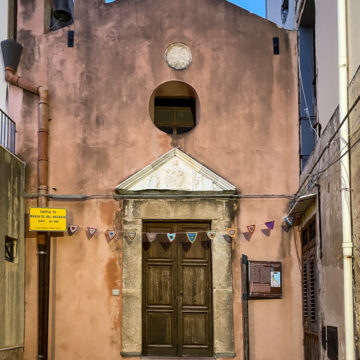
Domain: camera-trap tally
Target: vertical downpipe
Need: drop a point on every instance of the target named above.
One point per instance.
(347, 244)
(43, 239)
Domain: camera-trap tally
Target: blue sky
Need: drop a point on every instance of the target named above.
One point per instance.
(254, 6)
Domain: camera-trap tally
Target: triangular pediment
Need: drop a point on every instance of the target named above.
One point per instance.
(175, 171)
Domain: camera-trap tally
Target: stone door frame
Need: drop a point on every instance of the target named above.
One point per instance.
(134, 213)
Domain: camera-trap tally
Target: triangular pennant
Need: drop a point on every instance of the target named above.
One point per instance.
(289, 220)
(151, 236)
(270, 224)
(232, 232)
(192, 236)
(72, 229)
(247, 236)
(91, 231)
(227, 238)
(266, 232)
(211, 234)
(131, 235)
(171, 236)
(111, 234)
(251, 229)
(286, 227)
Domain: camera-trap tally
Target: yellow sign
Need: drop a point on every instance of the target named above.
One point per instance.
(47, 219)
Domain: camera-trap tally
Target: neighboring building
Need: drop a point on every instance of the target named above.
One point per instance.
(12, 217)
(12, 255)
(8, 11)
(281, 12)
(319, 195)
(166, 117)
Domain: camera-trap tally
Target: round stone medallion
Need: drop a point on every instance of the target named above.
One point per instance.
(178, 56)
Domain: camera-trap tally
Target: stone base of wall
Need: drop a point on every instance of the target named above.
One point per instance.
(15, 354)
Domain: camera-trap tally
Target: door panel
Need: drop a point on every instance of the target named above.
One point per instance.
(194, 279)
(195, 319)
(177, 306)
(159, 302)
(159, 285)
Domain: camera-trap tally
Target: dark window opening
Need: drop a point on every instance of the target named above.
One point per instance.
(310, 291)
(309, 128)
(284, 11)
(10, 249)
(309, 275)
(174, 115)
(332, 341)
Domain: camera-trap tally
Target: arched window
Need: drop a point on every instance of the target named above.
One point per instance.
(174, 107)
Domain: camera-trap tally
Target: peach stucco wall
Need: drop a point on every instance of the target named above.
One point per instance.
(101, 133)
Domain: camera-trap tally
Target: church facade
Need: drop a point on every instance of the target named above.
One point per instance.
(173, 146)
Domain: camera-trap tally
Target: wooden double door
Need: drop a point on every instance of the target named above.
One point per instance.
(177, 296)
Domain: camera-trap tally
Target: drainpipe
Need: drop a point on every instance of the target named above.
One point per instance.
(11, 54)
(347, 244)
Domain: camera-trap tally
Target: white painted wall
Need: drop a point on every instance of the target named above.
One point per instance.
(326, 58)
(3, 35)
(353, 36)
(273, 13)
(326, 47)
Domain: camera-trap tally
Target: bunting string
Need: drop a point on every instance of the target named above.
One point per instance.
(228, 233)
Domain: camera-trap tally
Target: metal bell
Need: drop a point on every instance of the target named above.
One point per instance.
(62, 11)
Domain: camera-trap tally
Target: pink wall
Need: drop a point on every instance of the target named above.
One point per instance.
(101, 133)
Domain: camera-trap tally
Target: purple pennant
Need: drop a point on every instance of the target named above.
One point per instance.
(227, 238)
(171, 236)
(72, 229)
(151, 236)
(247, 236)
(270, 224)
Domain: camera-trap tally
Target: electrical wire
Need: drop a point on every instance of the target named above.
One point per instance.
(307, 111)
(309, 174)
(82, 197)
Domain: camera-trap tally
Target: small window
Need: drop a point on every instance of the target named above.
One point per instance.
(284, 11)
(174, 115)
(174, 107)
(10, 249)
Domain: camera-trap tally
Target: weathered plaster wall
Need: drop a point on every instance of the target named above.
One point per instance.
(3, 36)
(354, 92)
(12, 274)
(101, 133)
(329, 247)
(353, 34)
(326, 59)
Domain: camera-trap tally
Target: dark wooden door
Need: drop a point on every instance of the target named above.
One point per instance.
(310, 291)
(177, 301)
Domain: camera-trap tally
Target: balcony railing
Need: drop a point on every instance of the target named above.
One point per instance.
(7, 132)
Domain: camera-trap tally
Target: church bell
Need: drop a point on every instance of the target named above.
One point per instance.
(62, 10)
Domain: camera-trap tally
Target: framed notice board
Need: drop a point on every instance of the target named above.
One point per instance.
(265, 280)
